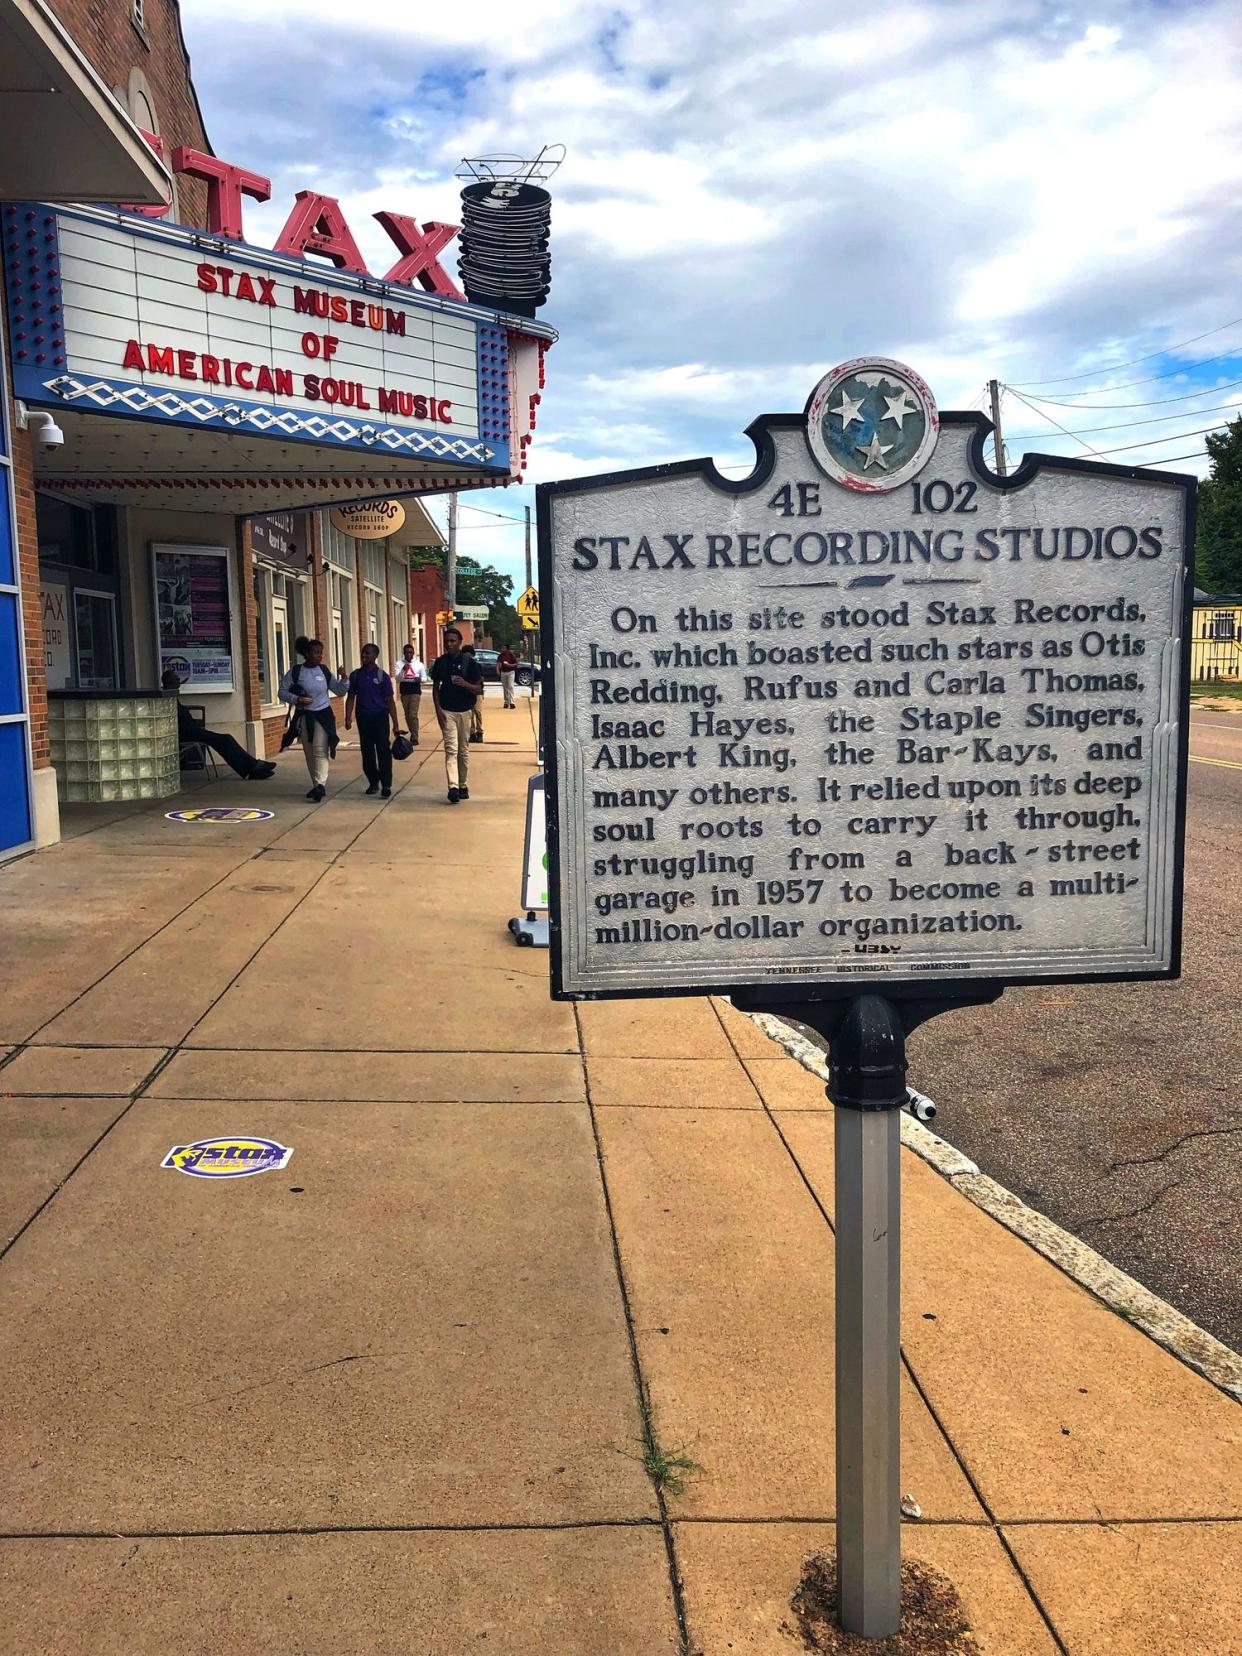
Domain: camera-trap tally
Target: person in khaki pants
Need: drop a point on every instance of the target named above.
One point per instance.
(409, 674)
(456, 680)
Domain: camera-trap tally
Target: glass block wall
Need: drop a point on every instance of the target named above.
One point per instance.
(123, 749)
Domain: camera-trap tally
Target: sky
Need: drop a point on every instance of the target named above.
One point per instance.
(751, 193)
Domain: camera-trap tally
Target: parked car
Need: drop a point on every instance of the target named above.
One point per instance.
(526, 675)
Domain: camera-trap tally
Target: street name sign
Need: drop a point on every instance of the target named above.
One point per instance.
(872, 716)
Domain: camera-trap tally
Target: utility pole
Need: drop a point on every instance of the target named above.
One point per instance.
(450, 572)
(999, 441)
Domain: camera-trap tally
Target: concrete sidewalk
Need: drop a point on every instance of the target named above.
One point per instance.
(395, 1398)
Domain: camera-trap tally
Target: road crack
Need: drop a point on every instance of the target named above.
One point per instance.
(1163, 1155)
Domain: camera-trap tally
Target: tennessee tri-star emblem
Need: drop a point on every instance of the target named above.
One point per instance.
(872, 424)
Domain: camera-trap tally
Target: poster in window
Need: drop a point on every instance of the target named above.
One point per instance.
(192, 615)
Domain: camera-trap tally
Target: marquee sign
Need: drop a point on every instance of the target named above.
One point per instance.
(872, 716)
(121, 315)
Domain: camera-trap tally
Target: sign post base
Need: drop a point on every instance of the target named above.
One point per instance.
(866, 1036)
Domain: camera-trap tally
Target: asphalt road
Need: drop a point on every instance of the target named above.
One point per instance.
(1115, 1108)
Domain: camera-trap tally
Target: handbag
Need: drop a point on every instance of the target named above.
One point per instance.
(402, 747)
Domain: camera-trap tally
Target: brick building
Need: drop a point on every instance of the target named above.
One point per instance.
(184, 406)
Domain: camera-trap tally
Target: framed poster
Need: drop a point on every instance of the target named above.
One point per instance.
(193, 614)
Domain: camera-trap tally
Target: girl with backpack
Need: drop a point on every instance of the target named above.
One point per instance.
(307, 688)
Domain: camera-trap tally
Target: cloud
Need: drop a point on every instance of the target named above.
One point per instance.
(983, 188)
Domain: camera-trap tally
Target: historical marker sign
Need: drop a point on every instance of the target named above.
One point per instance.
(869, 716)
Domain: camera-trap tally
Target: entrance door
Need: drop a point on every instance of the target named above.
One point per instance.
(280, 634)
(94, 615)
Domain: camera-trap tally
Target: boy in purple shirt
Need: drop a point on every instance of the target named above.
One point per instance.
(371, 693)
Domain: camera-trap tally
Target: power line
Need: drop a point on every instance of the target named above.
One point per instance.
(1071, 435)
(1157, 419)
(1093, 373)
(1168, 459)
(1104, 408)
(1171, 373)
(506, 517)
(1173, 437)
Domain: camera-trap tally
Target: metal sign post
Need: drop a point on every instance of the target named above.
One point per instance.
(866, 1036)
(858, 739)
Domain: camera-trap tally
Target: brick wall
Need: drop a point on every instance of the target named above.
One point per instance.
(249, 663)
(32, 606)
(114, 45)
(427, 599)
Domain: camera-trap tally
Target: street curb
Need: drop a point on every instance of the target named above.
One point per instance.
(1198, 1349)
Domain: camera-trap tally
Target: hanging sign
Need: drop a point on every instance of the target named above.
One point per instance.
(368, 519)
(872, 713)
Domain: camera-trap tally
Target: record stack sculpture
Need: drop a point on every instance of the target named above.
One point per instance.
(505, 263)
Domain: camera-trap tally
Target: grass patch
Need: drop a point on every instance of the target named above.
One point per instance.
(1216, 690)
(668, 1469)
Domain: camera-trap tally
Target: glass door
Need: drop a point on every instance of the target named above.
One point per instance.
(94, 616)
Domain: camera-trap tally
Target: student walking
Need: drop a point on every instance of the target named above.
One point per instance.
(307, 688)
(409, 675)
(507, 664)
(456, 682)
(476, 712)
(371, 694)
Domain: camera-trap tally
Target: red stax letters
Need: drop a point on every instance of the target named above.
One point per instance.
(317, 225)
(226, 185)
(418, 250)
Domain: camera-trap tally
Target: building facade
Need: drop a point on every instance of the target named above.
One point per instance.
(185, 406)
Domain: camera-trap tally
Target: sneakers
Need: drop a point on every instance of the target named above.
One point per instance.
(454, 794)
(316, 794)
(463, 793)
(373, 788)
(262, 771)
(385, 793)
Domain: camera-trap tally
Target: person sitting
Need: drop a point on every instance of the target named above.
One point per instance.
(230, 750)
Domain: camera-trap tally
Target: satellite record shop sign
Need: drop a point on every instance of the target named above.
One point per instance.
(869, 715)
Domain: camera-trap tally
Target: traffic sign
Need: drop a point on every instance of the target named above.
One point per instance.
(528, 603)
(530, 623)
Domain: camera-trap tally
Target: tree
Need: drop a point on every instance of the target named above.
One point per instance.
(477, 584)
(1218, 540)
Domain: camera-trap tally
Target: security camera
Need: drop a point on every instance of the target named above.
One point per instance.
(41, 425)
(919, 1105)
